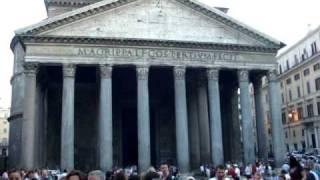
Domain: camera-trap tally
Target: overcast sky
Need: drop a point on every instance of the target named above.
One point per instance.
(285, 20)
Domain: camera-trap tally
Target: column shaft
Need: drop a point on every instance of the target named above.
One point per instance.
(261, 129)
(236, 154)
(67, 124)
(105, 119)
(276, 123)
(203, 121)
(215, 117)
(29, 117)
(246, 114)
(316, 136)
(144, 152)
(193, 126)
(181, 119)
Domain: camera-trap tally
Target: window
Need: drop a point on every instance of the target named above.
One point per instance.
(313, 48)
(286, 134)
(316, 67)
(296, 60)
(5, 130)
(288, 66)
(298, 91)
(297, 77)
(290, 95)
(308, 88)
(317, 81)
(280, 69)
(302, 132)
(283, 115)
(288, 149)
(310, 110)
(282, 98)
(281, 84)
(295, 146)
(266, 98)
(289, 81)
(305, 53)
(294, 133)
(303, 143)
(306, 72)
(269, 131)
(300, 112)
(318, 108)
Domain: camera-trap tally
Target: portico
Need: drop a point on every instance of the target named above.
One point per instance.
(136, 100)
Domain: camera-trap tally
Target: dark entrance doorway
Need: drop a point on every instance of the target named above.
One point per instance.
(129, 137)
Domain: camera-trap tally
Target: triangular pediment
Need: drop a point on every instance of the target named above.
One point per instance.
(174, 20)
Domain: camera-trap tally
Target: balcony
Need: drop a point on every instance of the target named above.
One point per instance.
(308, 120)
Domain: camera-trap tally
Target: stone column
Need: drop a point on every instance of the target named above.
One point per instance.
(261, 129)
(203, 120)
(193, 125)
(276, 123)
(105, 118)
(29, 116)
(144, 152)
(181, 119)
(246, 115)
(215, 117)
(67, 124)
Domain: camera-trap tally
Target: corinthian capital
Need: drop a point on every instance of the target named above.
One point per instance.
(105, 71)
(142, 72)
(272, 75)
(179, 72)
(243, 75)
(30, 69)
(69, 70)
(213, 74)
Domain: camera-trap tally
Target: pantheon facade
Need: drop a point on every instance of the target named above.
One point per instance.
(136, 82)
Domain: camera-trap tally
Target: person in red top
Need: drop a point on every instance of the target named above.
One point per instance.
(231, 172)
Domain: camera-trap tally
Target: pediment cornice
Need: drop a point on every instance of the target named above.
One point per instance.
(74, 3)
(67, 3)
(105, 5)
(140, 42)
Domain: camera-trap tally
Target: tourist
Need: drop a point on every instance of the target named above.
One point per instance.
(220, 173)
(30, 176)
(296, 170)
(4, 176)
(44, 174)
(248, 171)
(120, 175)
(14, 175)
(96, 175)
(150, 175)
(164, 172)
(257, 176)
(75, 175)
(309, 174)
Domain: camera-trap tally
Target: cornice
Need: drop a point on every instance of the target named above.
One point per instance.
(67, 3)
(300, 66)
(231, 22)
(106, 5)
(140, 42)
(72, 16)
(301, 41)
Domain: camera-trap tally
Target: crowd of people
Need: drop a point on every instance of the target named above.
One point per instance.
(292, 170)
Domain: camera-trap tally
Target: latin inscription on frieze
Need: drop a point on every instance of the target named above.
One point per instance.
(149, 53)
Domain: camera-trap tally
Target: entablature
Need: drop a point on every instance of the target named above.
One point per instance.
(146, 52)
